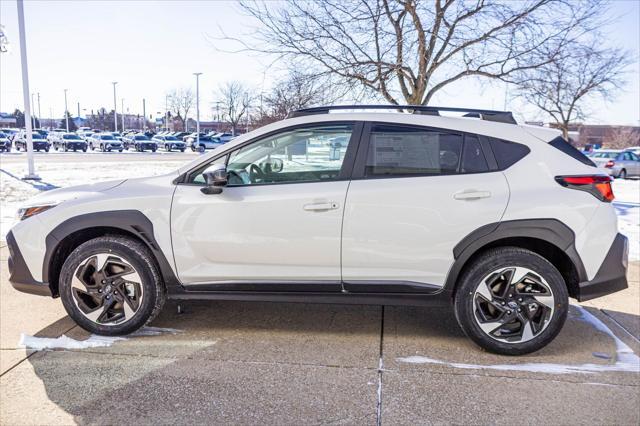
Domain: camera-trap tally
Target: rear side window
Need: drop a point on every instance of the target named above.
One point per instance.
(406, 151)
(571, 151)
(508, 153)
(473, 160)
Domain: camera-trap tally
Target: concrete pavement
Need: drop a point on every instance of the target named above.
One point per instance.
(276, 363)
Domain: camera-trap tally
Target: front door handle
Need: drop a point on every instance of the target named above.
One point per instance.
(471, 195)
(329, 205)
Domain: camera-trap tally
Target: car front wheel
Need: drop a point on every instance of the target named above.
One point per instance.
(111, 286)
(622, 174)
(511, 301)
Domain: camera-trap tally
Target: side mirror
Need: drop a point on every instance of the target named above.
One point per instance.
(215, 179)
(273, 165)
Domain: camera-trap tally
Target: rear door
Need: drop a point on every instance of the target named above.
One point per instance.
(416, 192)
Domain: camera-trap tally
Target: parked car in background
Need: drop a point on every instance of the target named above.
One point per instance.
(634, 149)
(223, 137)
(70, 142)
(180, 135)
(39, 141)
(105, 142)
(204, 143)
(169, 143)
(11, 133)
(117, 135)
(5, 143)
(84, 134)
(617, 163)
(142, 143)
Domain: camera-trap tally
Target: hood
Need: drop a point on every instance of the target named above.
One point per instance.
(57, 196)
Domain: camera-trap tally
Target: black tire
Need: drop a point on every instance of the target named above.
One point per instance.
(166, 148)
(102, 147)
(120, 150)
(201, 149)
(46, 149)
(66, 149)
(504, 258)
(622, 174)
(153, 149)
(84, 149)
(182, 150)
(138, 256)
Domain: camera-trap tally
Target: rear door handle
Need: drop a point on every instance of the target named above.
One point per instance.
(329, 205)
(471, 195)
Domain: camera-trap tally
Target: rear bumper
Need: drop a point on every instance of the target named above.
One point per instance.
(19, 275)
(612, 275)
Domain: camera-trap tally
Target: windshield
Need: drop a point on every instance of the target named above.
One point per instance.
(70, 137)
(37, 136)
(170, 138)
(605, 154)
(141, 138)
(106, 137)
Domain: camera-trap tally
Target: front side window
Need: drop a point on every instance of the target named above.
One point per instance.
(406, 151)
(312, 154)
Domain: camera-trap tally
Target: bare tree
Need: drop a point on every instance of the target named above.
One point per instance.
(180, 103)
(408, 50)
(294, 92)
(623, 137)
(561, 87)
(235, 98)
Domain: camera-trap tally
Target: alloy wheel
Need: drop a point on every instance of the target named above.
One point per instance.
(107, 289)
(513, 304)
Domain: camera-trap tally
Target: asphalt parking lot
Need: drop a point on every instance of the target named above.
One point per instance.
(276, 363)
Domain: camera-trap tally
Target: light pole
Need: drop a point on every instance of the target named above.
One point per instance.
(166, 112)
(197, 74)
(122, 113)
(218, 116)
(39, 112)
(144, 114)
(31, 174)
(33, 116)
(115, 107)
(66, 111)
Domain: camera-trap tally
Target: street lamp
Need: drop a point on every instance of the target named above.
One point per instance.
(122, 113)
(31, 174)
(66, 111)
(115, 107)
(33, 116)
(197, 74)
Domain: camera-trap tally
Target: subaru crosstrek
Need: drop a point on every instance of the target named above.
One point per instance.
(504, 222)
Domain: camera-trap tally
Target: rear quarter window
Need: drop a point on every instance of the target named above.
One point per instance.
(564, 146)
(508, 153)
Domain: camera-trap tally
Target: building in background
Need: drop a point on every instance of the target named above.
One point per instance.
(7, 120)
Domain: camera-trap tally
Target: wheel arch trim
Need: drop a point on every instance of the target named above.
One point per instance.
(132, 222)
(551, 231)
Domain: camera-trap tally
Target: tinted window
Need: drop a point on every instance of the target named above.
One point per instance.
(141, 138)
(106, 137)
(70, 137)
(507, 153)
(402, 151)
(571, 151)
(473, 160)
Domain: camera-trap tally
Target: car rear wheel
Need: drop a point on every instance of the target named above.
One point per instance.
(511, 301)
(622, 174)
(111, 286)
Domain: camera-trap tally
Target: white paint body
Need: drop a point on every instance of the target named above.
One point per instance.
(400, 229)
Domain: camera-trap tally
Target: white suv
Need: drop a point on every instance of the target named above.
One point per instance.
(502, 221)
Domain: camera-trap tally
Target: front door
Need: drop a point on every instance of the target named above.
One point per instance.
(277, 225)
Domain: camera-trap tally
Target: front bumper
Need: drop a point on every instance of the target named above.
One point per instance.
(612, 275)
(144, 146)
(19, 275)
(40, 145)
(76, 145)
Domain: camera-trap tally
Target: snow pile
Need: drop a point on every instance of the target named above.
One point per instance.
(626, 359)
(627, 204)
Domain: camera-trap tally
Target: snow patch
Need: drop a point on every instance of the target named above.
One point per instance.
(64, 342)
(626, 359)
(94, 341)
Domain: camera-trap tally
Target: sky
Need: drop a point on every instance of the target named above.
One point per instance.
(151, 47)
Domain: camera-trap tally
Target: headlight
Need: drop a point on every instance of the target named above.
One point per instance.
(27, 212)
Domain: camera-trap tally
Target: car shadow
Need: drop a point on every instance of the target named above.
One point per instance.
(243, 362)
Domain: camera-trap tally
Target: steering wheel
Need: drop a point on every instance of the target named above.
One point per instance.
(255, 173)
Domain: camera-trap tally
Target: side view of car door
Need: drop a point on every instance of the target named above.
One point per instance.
(415, 193)
(277, 223)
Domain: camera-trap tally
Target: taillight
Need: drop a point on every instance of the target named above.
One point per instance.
(597, 185)
(610, 164)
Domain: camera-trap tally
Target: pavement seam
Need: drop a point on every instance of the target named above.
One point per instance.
(605, 313)
(380, 370)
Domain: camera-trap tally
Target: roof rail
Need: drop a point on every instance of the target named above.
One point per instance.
(483, 114)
